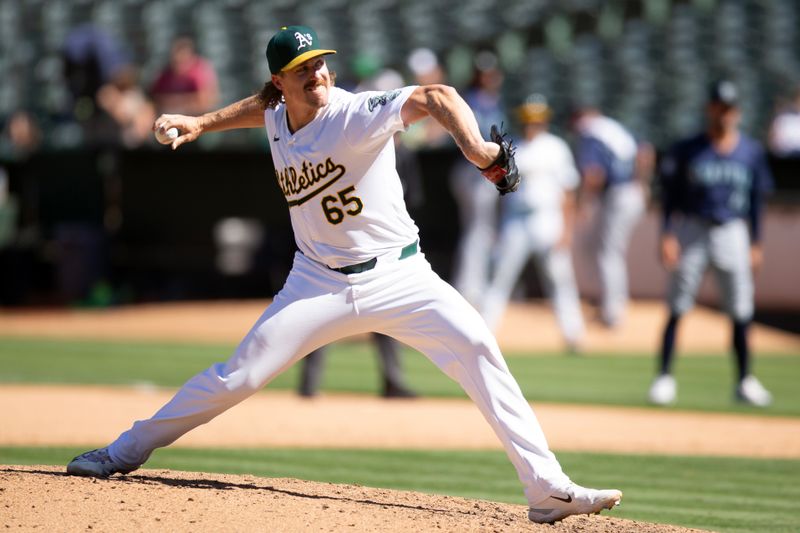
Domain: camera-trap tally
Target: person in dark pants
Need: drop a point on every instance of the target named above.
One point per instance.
(394, 385)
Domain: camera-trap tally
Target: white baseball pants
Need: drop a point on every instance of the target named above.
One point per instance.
(726, 248)
(620, 210)
(404, 299)
(518, 242)
(477, 209)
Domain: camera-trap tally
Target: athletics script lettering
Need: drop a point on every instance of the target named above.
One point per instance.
(293, 183)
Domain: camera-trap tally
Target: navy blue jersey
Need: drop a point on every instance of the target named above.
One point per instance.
(607, 144)
(699, 181)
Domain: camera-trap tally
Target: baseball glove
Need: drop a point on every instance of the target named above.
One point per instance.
(503, 171)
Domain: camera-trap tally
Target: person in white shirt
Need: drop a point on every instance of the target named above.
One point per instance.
(784, 131)
(538, 221)
(358, 268)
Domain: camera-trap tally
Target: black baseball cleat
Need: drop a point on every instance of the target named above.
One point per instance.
(96, 463)
(571, 501)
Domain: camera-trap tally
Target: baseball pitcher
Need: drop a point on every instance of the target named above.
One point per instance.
(359, 266)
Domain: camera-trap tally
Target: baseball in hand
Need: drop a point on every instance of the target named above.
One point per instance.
(166, 137)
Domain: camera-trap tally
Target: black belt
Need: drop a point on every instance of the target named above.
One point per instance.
(408, 251)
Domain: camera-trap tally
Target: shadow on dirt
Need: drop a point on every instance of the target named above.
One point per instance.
(210, 484)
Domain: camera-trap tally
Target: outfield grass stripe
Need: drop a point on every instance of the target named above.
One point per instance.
(705, 501)
(705, 382)
(717, 486)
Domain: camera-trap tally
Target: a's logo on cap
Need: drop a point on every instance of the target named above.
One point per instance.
(303, 39)
(291, 46)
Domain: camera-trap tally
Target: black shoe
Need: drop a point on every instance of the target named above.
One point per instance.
(394, 391)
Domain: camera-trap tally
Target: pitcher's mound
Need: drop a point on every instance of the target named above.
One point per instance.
(44, 498)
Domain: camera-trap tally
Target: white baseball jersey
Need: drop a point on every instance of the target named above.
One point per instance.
(339, 178)
(785, 134)
(533, 223)
(548, 169)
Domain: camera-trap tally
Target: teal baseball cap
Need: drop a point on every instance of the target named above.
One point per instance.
(291, 46)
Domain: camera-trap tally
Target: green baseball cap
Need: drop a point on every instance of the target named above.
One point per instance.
(291, 46)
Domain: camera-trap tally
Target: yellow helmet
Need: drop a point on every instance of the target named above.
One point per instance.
(534, 110)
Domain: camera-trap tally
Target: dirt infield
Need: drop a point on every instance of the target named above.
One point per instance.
(525, 327)
(43, 498)
(54, 416)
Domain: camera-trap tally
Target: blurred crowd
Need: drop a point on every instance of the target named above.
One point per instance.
(109, 105)
(107, 102)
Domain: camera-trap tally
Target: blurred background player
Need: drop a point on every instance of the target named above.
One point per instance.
(784, 133)
(393, 384)
(712, 183)
(188, 83)
(613, 167)
(538, 220)
(476, 198)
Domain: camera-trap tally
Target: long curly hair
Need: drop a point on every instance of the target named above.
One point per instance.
(270, 96)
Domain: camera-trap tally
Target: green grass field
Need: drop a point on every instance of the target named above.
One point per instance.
(723, 494)
(705, 382)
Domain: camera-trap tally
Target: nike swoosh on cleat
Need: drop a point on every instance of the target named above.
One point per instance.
(568, 499)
